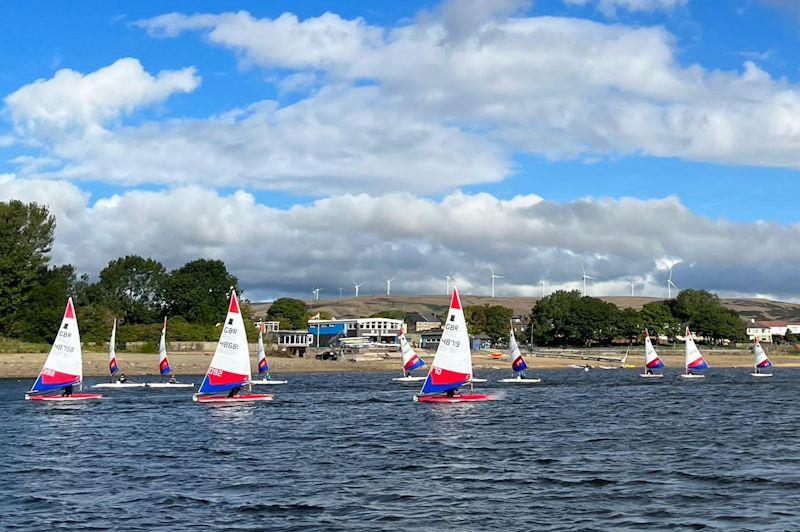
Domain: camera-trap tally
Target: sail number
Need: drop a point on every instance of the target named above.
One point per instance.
(229, 330)
(451, 326)
(229, 345)
(448, 342)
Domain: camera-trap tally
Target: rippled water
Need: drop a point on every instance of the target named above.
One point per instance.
(599, 450)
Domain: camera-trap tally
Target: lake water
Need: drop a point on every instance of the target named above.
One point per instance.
(601, 450)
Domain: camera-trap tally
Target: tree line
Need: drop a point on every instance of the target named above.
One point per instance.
(570, 319)
(139, 292)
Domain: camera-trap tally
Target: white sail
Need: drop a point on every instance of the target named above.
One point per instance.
(163, 361)
(411, 360)
(651, 358)
(230, 365)
(64, 364)
(452, 365)
(693, 359)
(761, 358)
(112, 350)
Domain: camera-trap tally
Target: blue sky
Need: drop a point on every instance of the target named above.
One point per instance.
(551, 151)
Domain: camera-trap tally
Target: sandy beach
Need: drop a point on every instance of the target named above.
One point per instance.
(27, 365)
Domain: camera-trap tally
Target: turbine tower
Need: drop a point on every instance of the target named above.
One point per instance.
(447, 279)
(585, 277)
(389, 284)
(544, 288)
(633, 288)
(493, 277)
(316, 292)
(357, 286)
(670, 284)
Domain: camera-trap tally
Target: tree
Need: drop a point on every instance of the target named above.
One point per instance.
(37, 319)
(703, 312)
(657, 318)
(199, 291)
(133, 288)
(26, 238)
(475, 316)
(290, 313)
(498, 323)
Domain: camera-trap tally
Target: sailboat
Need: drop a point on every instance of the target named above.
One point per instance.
(452, 365)
(229, 370)
(263, 365)
(761, 360)
(651, 359)
(694, 360)
(163, 365)
(517, 363)
(411, 361)
(113, 367)
(64, 365)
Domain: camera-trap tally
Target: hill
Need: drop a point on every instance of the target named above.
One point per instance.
(759, 309)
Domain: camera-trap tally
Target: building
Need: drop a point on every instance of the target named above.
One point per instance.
(421, 321)
(776, 327)
(293, 342)
(430, 339)
(757, 330)
(376, 330)
(269, 326)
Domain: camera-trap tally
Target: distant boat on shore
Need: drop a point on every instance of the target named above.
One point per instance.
(64, 365)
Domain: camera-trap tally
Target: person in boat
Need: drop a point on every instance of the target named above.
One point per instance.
(234, 391)
(172, 379)
(522, 375)
(648, 371)
(122, 378)
(67, 391)
(451, 393)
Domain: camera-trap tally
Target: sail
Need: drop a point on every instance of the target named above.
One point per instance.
(651, 358)
(517, 362)
(230, 365)
(263, 367)
(64, 364)
(112, 350)
(762, 360)
(452, 365)
(411, 360)
(163, 361)
(694, 360)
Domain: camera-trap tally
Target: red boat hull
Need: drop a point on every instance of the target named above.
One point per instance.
(73, 397)
(458, 398)
(242, 398)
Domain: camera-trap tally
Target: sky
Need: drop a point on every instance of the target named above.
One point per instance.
(322, 144)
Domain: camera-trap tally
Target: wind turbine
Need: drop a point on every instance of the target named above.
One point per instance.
(389, 284)
(316, 292)
(544, 288)
(357, 286)
(493, 277)
(633, 288)
(670, 284)
(585, 277)
(447, 279)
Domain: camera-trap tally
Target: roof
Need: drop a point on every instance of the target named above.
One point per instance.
(775, 323)
(432, 332)
(756, 325)
(416, 317)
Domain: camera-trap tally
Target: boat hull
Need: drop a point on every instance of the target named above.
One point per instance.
(169, 385)
(267, 382)
(479, 380)
(520, 381)
(651, 375)
(408, 379)
(761, 375)
(73, 397)
(459, 398)
(243, 398)
(695, 376)
(112, 385)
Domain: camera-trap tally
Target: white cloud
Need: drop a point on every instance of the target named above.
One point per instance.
(610, 7)
(554, 86)
(334, 241)
(87, 101)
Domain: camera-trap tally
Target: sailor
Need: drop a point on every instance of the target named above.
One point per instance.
(172, 379)
(67, 391)
(648, 371)
(451, 393)
(122, 378)
(234, 391)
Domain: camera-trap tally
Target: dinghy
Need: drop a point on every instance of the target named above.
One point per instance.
(229, 370)
(113, 368)
(694, 360)
(63, 368)
(651, 359)
(163, 365)
(518, 364)
(411, 361)
(761, 361)
(263, 366)
(452, 365)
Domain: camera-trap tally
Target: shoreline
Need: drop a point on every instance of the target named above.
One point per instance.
(28, 365)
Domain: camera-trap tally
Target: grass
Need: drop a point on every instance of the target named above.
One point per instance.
(9, 345)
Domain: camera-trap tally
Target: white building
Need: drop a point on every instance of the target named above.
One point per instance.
(378, 330)
(757, 330)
